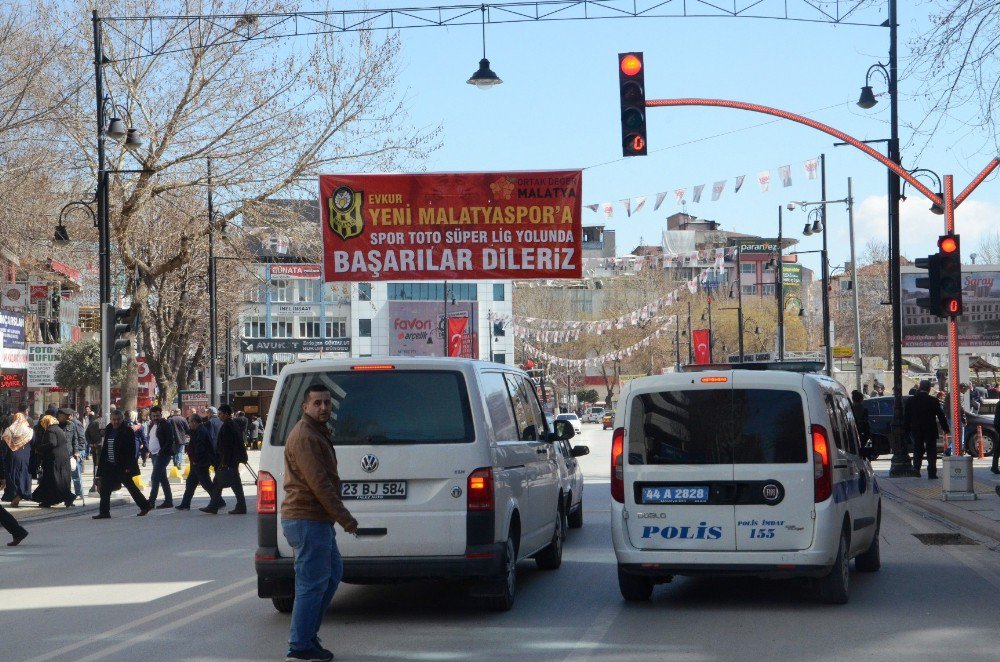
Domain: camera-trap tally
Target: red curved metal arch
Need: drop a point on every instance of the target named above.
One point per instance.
(766, 110)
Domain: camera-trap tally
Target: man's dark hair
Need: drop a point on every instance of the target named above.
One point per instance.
(315, 388)
(225, 409)
(156, 409)
(925, 385)
(857, 396)
(196, 418)
(117, 412)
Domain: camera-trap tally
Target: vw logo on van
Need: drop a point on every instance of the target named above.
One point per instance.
(369, 463)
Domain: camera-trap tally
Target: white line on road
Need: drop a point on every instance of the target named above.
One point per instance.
(159, 614)
(88, 595)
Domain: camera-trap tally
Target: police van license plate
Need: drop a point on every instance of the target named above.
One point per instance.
(371, 490)
(674, 494)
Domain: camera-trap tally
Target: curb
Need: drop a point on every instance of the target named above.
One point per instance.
(954, 514)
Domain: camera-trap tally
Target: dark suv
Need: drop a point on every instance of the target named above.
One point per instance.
(880, 422)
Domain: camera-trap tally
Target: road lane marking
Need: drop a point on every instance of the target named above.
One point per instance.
(88, 595)
(147, 635)
(134, 626)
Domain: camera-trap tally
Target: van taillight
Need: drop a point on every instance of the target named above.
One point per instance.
(267, 494)
(481, 489)
(617, 470)
(822, 476)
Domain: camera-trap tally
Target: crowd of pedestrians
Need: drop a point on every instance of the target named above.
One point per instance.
(51, 451)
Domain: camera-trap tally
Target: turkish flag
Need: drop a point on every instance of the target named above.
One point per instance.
(700, 339)
(456, 329)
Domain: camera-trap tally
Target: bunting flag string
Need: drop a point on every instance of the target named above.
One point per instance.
(601, 359)
(635, 205)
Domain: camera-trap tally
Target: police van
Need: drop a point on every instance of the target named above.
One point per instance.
(750, 470)
(448, 465)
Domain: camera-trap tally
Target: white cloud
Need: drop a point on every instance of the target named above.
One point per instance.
(919, 228)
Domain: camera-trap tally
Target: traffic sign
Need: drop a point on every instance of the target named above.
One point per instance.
(294, 345)
(843, 352)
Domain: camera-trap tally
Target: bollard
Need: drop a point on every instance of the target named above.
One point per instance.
(137, 479)
(187, 470)
(979, 438)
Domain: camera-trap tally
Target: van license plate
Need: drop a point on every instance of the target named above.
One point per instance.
(686, 494)
(372, 490)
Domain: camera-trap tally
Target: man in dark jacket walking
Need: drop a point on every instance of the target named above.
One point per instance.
(118, 465)
(231, 454)
(920, 419)
(95, 440)
(200, 457)
(76, 444)
(161, 447)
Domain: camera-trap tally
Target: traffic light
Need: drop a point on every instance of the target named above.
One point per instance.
(944, 278)
(931, 302)
(950, 266)
(632, 90)
(120, 322)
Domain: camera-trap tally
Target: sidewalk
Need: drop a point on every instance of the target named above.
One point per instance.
(28, 511)
(981, 516)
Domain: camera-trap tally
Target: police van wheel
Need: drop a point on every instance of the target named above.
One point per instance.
(283, 604)
(834, 587)
(634, 588)
(871, 560)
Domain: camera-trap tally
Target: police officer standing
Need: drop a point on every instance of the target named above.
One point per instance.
(920, 419)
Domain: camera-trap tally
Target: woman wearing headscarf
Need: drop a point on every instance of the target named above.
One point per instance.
(55, 485)
(17, 463)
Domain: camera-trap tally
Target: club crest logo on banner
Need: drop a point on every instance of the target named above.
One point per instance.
(346, 219)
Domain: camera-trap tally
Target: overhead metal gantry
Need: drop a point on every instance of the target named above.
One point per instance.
(149, 36)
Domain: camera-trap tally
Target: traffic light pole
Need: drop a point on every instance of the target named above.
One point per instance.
(953, 387)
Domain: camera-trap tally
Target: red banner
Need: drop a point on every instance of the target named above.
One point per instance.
(456, 332)
(700, 339)
(38, 293)
(452, 226)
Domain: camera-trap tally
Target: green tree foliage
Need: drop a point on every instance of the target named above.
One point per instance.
(587, 395)
(79, 365)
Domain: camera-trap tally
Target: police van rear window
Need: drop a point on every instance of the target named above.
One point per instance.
(718, 426)
(384, 407)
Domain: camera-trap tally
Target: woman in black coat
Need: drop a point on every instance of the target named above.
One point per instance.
(56, 482)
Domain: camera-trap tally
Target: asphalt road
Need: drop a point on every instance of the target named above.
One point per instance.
(180, 586)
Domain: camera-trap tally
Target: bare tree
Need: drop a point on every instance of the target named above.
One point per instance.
(989, 248)
(956, 60)
(268, 114)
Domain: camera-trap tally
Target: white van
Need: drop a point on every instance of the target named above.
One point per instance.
(593, 415)
(447, 464)
(740, 471)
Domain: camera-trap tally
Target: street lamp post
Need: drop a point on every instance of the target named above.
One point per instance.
(213, 308)
(117, 130)
(677, 340)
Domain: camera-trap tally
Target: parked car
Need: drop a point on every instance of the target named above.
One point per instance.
(458, 486)
(608, 420)
(571, 478)
(773, 484)
(593, 415)
(574, 421)
(880, 422)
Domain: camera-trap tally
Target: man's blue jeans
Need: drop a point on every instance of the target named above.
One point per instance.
(78, 478)
(179, 457)
(159, 477)
(318, 569)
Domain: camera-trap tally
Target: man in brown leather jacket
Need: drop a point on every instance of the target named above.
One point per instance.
(311, 507)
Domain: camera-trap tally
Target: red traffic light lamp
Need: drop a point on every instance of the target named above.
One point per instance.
(950, 268)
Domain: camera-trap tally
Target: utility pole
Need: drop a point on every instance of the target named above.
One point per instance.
(739, 293)
(213, 311)
(826, 271)
(858, 368)
(779, 286)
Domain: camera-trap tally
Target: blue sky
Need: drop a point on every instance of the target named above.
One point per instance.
(558, 108)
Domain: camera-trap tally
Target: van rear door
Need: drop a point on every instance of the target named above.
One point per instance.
(405, 444)
(771, 472)
(677, 471)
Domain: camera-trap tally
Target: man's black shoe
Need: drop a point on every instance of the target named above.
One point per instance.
(144, 511)
(182, 507)
(994, 470)
(165, 504)
(18, 537)
(101, 516)
(932, 477)
(318, 654)
(238, 511)
(211, 511)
